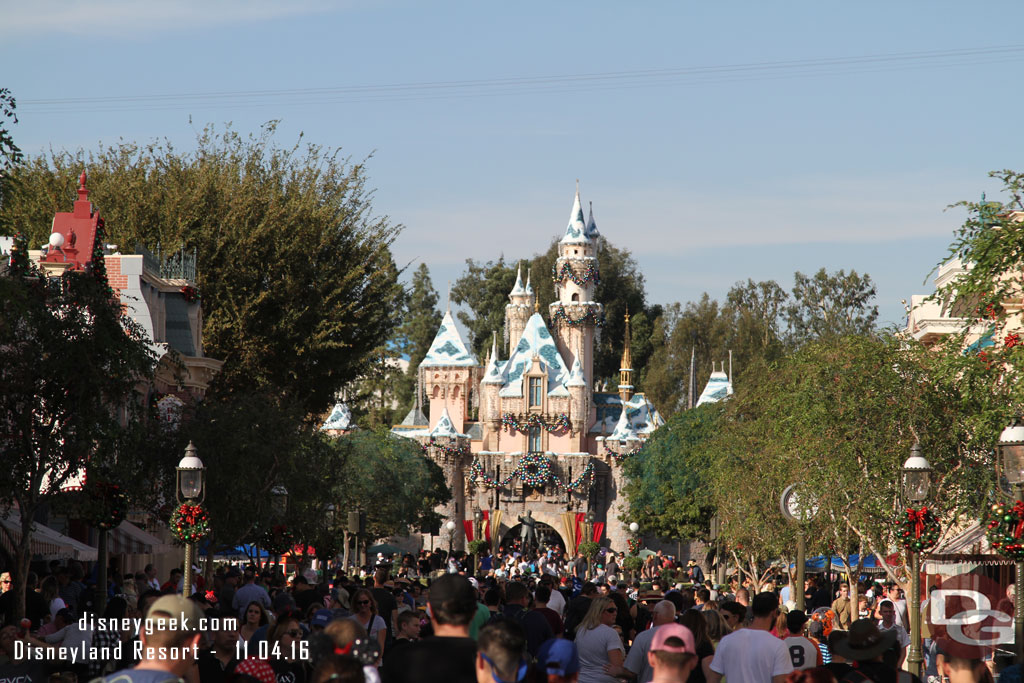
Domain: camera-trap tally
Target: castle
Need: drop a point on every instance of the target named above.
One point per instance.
(543, 438)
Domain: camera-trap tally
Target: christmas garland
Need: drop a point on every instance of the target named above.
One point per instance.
(450, 451)
(560, 316)
(190, 293)
(521, 423)
(590, 273)
(633, 545)
(189, 523)
(619, 457)
(919, 530)
(534, 469)
(1005, 526)
(111, 504)
(278, 540)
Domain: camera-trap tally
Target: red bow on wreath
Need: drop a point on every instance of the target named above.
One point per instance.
(917, 517)
(1018, 511)
(191, 514)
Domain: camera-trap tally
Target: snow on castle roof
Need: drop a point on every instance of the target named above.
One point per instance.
(719, 387)
(639, 416)
(536, 341)
(576, 378)
(340, 418)
(576, 231)
(444, 426)
(518, 289)
(448, 349)
(591, 229)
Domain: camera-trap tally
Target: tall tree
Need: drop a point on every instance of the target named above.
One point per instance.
(297, 279)
(70, 362)
(419, 325)
(828, 306)
(484, 289)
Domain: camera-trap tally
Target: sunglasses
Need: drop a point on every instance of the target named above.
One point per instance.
(294, 633)
(612, 609)
(362, 602)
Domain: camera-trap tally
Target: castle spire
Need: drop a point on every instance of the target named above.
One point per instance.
(575, 232)
(518, 289)
(626, 368)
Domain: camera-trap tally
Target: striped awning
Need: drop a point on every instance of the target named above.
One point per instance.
(46, 543)
(128, 539)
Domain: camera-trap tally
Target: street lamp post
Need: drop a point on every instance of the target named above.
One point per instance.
(1011, 460)
(190, 476)
(798, 511)
(478, 531)
(714, 535)
(633, 529)
(279, 505)
(916, 475)
(589, 521)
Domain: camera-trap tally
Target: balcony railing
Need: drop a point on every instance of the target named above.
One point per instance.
(175, 265)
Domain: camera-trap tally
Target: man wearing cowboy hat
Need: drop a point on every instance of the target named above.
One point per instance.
(695, 573)
(864, 647)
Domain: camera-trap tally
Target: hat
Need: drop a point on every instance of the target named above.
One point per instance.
(321, 618)
(864, 641)
(666, 631)
(185, 614)
(282, 602)
(558, 656)
(257, 668)
(233, 573)
(795, 620)
(691, 563)
(650, 595)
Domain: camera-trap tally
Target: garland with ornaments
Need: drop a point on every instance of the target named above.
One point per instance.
(619, 457)
(590, 274)
(450, 451)
(590, 317)
(534, 469)
(523, 423)
(278, 539)
(919, 530)
(189, 523)
(633, 545)
(1005, 525)
(190, 293)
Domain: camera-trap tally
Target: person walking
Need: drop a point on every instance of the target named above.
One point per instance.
(753, 654)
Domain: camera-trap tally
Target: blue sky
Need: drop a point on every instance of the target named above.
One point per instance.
(717, 141)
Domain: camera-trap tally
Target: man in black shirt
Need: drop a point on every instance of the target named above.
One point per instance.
(450, 654)
(387, 606)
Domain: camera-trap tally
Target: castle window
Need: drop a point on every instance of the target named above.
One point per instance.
(536, 392)
(533, 444)
(576, 296)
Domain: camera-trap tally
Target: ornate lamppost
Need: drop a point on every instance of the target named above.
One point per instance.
(634, 530)
(189, 489)
(1011, 461)
(589, 530)
(917, 477)
(478, 532)
(450, 526)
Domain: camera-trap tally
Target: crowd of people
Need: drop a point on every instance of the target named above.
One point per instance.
(438, 617)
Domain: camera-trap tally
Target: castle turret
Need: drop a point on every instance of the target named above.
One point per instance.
(519, 309)
(576, 315)
(448, 374)
(626, 368)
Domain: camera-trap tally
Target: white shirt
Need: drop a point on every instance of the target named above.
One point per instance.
(751, 656)
(802, 652)
(901, 633)
(593, 647)
(636, 660)
(557, 602)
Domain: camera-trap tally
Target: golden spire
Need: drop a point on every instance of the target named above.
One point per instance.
(627, 357)
(626, 367)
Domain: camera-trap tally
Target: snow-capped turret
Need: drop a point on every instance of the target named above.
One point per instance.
(521, 303)
(576, 231)
(591, 229)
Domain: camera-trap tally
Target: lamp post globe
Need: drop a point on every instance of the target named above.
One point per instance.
(634, 527)
(916, 475)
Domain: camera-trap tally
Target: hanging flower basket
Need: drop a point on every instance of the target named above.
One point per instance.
(919, 530)
(189, 523)
(1005, 525)
(278, 540)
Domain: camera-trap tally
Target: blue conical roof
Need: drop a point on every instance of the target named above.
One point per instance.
(448, 349)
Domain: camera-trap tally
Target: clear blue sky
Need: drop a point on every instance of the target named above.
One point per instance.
(717, 141)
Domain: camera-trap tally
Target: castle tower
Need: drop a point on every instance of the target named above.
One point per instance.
(626, 368)
(519, 309)
(575, 315)
(448, 373)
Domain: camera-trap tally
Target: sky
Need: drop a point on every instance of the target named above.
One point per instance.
(716, 141)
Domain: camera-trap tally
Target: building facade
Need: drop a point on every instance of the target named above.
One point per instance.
(531, 432)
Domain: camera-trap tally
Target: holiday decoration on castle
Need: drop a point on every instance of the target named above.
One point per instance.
(278, 539)
(590, 317)
(189, 523)
(590, 273)
(618, 457)
(1005, 526)
(919, 530)
(450, 451)
(523, 423)
(534, 469)
(190, 293)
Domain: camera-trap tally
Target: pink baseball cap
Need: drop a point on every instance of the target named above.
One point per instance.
(666, 631)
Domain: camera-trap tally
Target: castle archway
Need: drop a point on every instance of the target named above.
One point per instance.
(548, 532)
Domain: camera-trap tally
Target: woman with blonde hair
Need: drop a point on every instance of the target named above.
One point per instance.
(599, 645)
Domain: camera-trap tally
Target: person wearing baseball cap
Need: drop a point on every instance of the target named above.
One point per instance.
(558, 659)
(673, 654)
(170, 641)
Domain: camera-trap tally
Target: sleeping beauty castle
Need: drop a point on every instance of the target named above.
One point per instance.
(532, 433)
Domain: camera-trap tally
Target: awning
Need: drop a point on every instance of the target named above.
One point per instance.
(128, 539)
(46, 543)
(963, 553)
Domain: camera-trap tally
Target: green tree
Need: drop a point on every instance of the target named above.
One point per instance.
(10, 154)
(70, 363)
(419, 325)
(297, 279)
(484, 289)
(830, 305)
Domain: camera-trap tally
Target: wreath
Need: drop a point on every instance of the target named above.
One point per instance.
(633, 545)
(534, 469)
(190, 293)
(1005, 526)
(919, 530)
(278, 540)
(189, 523)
